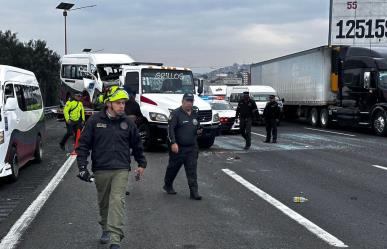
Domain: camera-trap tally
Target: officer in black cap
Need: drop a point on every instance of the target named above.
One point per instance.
(271, 113)
(245, 111)
(183, 129)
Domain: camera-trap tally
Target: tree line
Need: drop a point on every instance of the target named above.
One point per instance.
(34, 56)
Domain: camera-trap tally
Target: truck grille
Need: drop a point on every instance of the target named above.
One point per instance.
(205, 116)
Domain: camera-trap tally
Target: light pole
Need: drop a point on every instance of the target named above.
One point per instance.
(67, 7)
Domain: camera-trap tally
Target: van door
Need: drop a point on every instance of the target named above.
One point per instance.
(9, 119)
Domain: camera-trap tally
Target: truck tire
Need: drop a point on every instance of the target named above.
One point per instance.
(314, 117)
(14, 165)
(145, 136)
(324, 118)
(379, 123)
(38, 154)
(206, 143)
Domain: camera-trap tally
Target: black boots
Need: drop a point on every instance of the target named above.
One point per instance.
(105, 237)
(194, 195)
(169, 190)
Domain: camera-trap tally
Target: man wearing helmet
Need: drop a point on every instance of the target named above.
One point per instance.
(110, 135)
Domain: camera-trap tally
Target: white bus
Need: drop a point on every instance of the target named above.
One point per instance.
(21, 120)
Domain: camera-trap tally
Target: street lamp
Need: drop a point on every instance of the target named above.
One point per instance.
(66, 7)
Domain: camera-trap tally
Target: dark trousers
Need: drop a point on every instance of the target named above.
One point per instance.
(245, 128)
(188, 157)
(72, 128)
(271, 128)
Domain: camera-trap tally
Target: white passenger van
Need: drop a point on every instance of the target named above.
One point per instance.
(21, 120)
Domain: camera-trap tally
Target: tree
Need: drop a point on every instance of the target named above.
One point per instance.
(36, 57)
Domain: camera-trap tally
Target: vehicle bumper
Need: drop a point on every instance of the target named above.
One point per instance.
(159, 132)
(211, 130)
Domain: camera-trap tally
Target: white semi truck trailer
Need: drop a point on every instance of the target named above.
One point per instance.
(340, 84)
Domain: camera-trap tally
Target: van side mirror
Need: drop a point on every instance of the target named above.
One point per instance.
(10, 104)
(367, 80)
(200, 86)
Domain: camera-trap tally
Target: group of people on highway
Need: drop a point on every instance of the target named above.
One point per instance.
(112, 137)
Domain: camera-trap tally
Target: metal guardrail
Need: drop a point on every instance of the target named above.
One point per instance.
(49, 110)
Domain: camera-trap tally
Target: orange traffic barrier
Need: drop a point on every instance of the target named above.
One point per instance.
(78, 135)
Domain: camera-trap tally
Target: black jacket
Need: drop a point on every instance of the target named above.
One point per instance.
(246, 109)
(271, 111)
(182, 128)
(110, 142)
(133, 108)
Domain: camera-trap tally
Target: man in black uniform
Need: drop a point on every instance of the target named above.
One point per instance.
(132, 109)
(183, 129)
(110, 135)
(245, 111)
(271, 114)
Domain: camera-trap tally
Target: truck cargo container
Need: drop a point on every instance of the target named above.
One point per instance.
(342, 85)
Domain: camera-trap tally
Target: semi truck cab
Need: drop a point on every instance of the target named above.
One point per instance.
(159, 90)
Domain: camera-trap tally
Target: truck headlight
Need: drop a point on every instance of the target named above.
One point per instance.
(1, 137)
(154, 116)
(215, 118)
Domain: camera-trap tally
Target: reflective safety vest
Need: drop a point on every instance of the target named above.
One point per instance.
(74, 111)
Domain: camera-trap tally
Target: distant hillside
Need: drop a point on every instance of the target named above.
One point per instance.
(235, 70)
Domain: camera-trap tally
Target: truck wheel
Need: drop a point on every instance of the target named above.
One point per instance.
(379, 123)
(207, 143)
(324, 118)
(314, 117)
(145, 136)
(14, 165)
(38, 154)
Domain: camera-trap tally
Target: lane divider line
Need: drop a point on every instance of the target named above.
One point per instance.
(380, 167)
(16, 232)
(333, 132)
(319, 232)
(258, 134)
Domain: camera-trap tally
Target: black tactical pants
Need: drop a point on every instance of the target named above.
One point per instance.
(245, 128)
(187, 156)
(72, 128)
(271, 128)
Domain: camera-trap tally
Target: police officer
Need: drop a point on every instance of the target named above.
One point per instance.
(110, 135)
(246, 111)
(183, 128)
(74, 114)
(271, 113)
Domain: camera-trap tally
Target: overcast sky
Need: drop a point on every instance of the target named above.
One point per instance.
(201, 34)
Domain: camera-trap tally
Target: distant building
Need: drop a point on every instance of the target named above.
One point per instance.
(246, 78)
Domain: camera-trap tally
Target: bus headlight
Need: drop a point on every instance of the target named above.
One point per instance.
(154, 116)
(1, 137)
(216, 117)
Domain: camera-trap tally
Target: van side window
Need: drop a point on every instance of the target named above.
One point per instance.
(8, 92)
(29, 98)
(132, 81)
(72, 71)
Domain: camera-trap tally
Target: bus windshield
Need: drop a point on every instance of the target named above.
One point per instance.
(167, 81)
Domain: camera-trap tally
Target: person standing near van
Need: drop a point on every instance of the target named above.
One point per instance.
(183, 129)
(246, 111)
(132, 109)
(74, 114)
(271, 113)
(110, 136)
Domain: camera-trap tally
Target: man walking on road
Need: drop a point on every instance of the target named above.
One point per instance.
(74, 114)
(245, 111)
(110, 135)
(183, 128)
(271, 113)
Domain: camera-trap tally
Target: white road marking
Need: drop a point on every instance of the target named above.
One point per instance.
(322, 234)
(258, 134)
(333, 132)
(15, 233)
(380, 167)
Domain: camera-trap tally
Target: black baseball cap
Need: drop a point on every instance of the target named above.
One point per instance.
(246, 93)
(272, 96)
(188, 96)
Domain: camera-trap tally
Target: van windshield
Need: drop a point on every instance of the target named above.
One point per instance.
(260, 97)
(167, 81)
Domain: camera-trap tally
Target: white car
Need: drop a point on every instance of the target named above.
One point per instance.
(226, 115)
